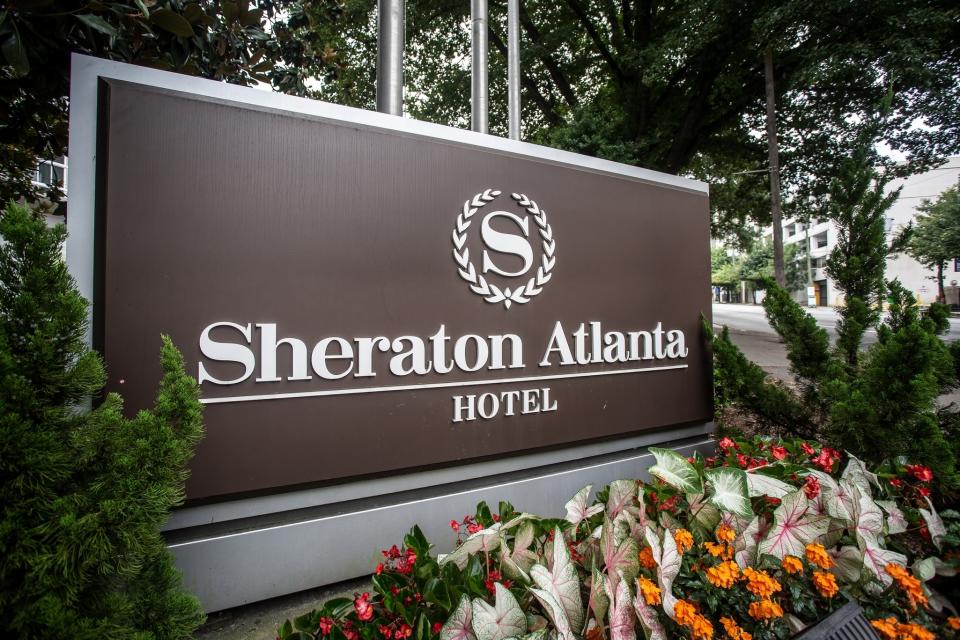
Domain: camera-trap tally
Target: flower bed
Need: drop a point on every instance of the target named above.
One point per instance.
(761, 541)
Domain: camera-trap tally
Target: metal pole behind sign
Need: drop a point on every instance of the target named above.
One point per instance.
(478, 73)
(390, 35)
(513, 68)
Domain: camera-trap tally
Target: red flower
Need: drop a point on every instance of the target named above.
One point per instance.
(492, 577)
(436, 627)
(325, 626)
(807, 449)
(363, 607)
(896, 483)
(772, 500)
(496, 518)
(473, 528)
(379, 569)
(417, 597)
(385, 631)
(826, 459)
(404, 631)
(921, 473)
(924, 491)
(742, 460)
(392, 552)
(727, 443)
(395, 590)
(455, 526)
(778, 452)
(691, 459)
(811, 487)
(351, 634)
(711, 461)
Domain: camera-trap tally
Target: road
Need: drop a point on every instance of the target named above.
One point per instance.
(750, 318)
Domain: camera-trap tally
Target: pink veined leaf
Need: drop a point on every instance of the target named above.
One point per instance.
(847, 563)
(792, 529)
(599, 602)
(505, 619)
(578, 509)
(642, 511)
(876, 559)
(869, 519)
(934, 524)
(668, 561)
(561, 582)
(621, 497)
(459, 626)
(896, 521)
(621, 613)
(649, 620)
(485, 540)
(746, 544)
(555, 612)
(618, 556)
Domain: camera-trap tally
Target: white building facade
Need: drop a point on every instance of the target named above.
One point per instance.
(822, 236)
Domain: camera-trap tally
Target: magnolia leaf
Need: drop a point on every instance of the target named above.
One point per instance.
(97, 23)
(621, 496)
(621, 613)
(562, 582)
(745, 545)
(505, 619)
(896, 521)
(598, 599)
(649, 619)
(619, 555)
(869, 519)
(792, 529)
(875, 560)
(555, 612)
(934, 524)
(173, 22)
(577, 508)
(729, 490)
(484, 540)
(675, 470)
(759, 485)
(848, 561)
(459, 625)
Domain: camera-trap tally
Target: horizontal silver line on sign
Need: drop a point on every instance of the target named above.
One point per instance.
(438, 385)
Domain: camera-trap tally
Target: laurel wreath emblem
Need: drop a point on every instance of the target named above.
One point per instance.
(478, 284)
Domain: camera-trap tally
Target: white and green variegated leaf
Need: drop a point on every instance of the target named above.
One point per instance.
(745, 546)
(649, 619)
(796, 624)
(627, 523)
(620, 553)
(944, 568)
(847, 563)
(486, 540)
(621, 497)
(938, 602)
(510, 568)
(896, 521)
(535, 622)
(504, 619)
(555, 612)
(856, 473)
(835, 530)
(517, 519)
(759, 485)
(561, 582)
(676, 471)
(792, 528)
(704, 517)
(539, 634)
(875, 560)
(869, 519)
(934, 524)
(924, 569)
(838, 500)
(598, 599)
(621, 613)
(667, 521)
(459, 626)
(578, 509)
(729, 490)
(522, 556)
(668, 560)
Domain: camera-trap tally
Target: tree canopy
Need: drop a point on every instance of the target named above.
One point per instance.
(936, 239)
(675, 86)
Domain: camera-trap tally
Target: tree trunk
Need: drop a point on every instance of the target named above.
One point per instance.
(778, 273)
(941, 295)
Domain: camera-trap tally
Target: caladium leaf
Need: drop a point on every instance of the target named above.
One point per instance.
(459, 626)
(522, 556)
(485, 540)
(505, 619)
(578, 509)
(835, 530)
(759, 485)
(869, 519)
(746, 545)
(856, 474)
(510, 568)
(934, 524)
(649, 620)
(792, 528)
(729, 490)
(924, 569)
(555, 612)
(875, 560)
(676, 471)
(627, 523)
(598, 596)
(621, 497)
(621, 613)
(561, 581)
(896, 521)
(847, 563)
(703, 516)
(535, 622)
(619, 555)
(539, 634)
(668, 561)
(837, 498)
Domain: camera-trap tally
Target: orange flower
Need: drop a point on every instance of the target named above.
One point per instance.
(646, 559)
(817, 555)
(734, 632)
(687, 616)
(715, 549)
(954, 623)
(911, 585)
(724, 574)
(825, 583)
(650, 591)
(759, 583)
(886, 627)
(684, 540)
(792, 564)
(725, 534)
(915, 632)
(765, 610)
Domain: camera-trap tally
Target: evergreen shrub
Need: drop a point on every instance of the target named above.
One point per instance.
(83, 493)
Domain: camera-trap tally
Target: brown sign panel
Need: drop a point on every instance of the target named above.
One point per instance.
(355, 301)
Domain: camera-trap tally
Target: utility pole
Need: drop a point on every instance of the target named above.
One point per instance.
(774, 172)
(390, 36)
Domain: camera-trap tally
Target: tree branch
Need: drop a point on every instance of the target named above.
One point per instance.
(581, 14)
(545, 105)
(563, 85)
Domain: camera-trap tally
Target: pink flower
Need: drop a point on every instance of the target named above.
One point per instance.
(727, 443)
(363, 607)
(778, 452)
(385, 631)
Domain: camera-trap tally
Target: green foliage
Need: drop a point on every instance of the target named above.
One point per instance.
(936, 239)
(220, 40)
(82, 493)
